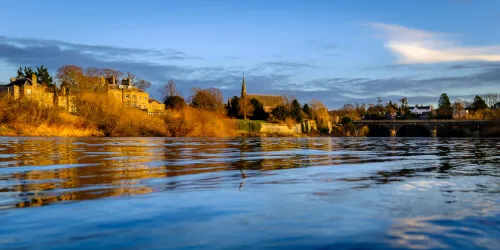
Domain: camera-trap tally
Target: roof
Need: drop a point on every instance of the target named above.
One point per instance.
(420, 107)
(126, 87)
(19, 82)
(150, 100)
(268, 100)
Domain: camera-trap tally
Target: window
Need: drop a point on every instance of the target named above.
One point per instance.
(126, 96)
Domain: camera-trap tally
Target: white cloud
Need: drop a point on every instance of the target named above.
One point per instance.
(420, 46)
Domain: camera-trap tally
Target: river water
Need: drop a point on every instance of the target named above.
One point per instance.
(258, 193)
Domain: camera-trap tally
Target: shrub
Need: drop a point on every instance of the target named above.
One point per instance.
(248, 126)
(175, 102)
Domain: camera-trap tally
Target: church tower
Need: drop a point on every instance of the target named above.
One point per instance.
(243, 87)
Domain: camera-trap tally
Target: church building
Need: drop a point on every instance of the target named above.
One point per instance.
(268, 101)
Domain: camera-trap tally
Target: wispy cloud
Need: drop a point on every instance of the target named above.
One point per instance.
(421, 46)
(279, 76)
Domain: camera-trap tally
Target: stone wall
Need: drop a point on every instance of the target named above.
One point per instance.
(306, 126)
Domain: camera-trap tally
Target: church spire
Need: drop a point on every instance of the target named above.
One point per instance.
(243, 87)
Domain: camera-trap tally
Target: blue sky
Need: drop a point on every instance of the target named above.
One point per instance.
(335, 51)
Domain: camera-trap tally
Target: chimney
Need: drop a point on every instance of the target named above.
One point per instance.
(34, 80)
(113, 80)
(126, 81)
(13, 79)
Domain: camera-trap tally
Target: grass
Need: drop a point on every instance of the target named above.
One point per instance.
(98, 115)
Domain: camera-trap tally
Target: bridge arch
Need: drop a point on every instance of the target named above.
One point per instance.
(378, 130)
(413, 130)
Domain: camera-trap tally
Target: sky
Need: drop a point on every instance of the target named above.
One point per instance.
(335, 51)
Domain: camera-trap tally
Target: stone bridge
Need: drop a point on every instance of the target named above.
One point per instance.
(422, 127)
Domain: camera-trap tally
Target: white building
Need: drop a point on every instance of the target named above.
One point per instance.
(420, 110)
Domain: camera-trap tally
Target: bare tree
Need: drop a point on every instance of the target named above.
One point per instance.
(93, 72)
(142, 84)
(168, 90)
(491, 98)
(107, 72)
(131, 77)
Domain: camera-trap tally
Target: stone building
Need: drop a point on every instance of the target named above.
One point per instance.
(130, 95)
(122, 91)
(268, 101)
(155, 107)
(29, 88)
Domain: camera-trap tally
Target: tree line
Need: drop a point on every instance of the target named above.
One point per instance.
(401, 110)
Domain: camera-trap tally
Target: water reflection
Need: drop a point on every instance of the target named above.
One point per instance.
(426, 192)
(39, 171)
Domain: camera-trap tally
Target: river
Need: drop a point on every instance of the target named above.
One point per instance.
(256, 193)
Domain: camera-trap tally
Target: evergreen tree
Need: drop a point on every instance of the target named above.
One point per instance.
(280, 112)
(258, 110)
(296, 111)
(27, 72)
(479, 104)
(307, 111)
(233, 107)
(445, 109)
(44, 76)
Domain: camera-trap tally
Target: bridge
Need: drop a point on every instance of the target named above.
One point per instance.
(422, 127)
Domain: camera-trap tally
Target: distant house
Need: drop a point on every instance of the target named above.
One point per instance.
(269, 102)
(421, 111)
(155, 107)
(28, 88)
(122, 91)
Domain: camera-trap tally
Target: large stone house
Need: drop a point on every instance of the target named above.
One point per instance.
(121, 91)
(268, 101)
(28, 88)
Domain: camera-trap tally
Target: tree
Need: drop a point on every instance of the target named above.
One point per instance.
(458, 107)
(319, 113)
(405, 108)
(131, 77)
(141, 84)
(479, 104)
(44, 76)
(491, 99)
(445, 110)
(307, 110)
(296, 111)
(280, 112)
(107, 72)
(93, 72)
(245, 107)
(258, 110)
(169, 89)
(77, 82)
(175, 102)
(27, 72)
(233, 106)
(71, 76)
(208, 99)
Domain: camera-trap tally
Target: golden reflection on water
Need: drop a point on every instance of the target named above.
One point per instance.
(40, 171)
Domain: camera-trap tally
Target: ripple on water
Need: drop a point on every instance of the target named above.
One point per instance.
(400, 193)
